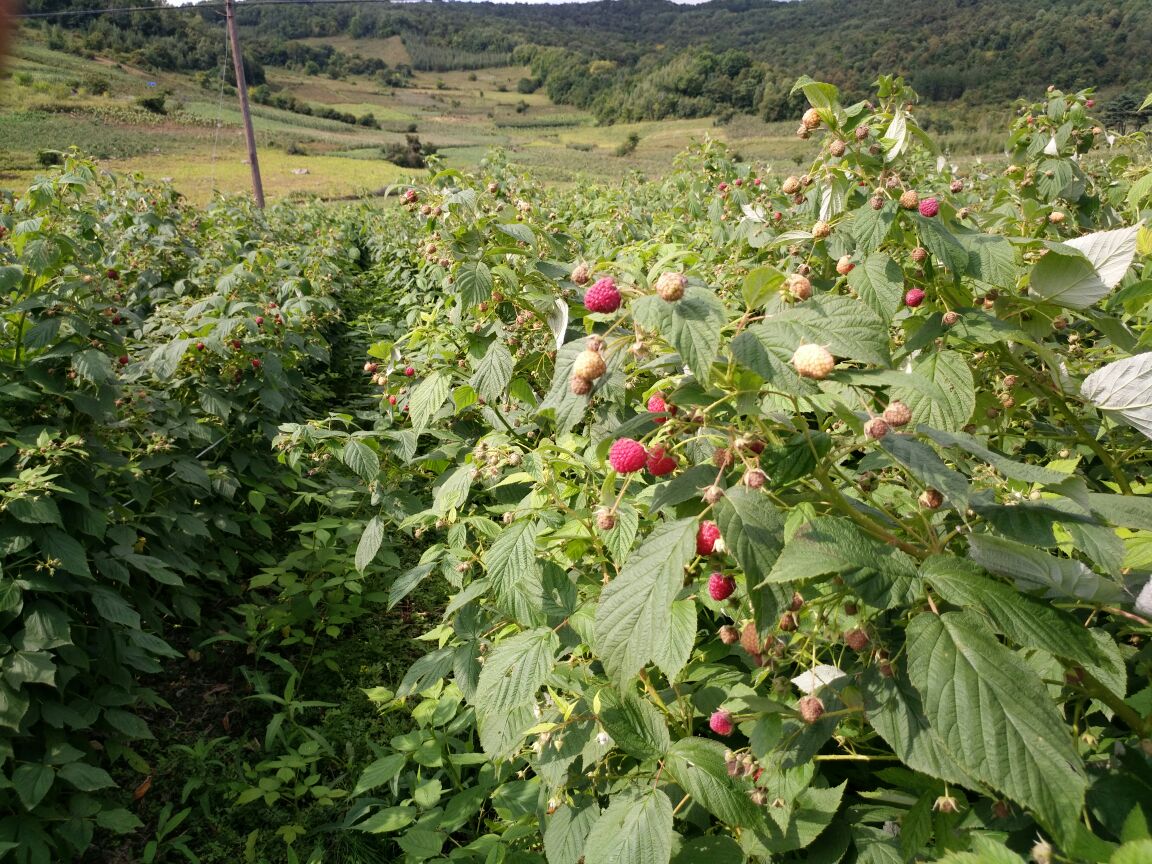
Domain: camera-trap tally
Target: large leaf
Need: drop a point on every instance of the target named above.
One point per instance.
(994, 716)
(1123, 390)
(923, 464)
(753, 530)
(1085, 273)
(677, 648)
(494, 371)
(1025, 620)
(506, 694)
(940, 242)
(698, 766)
(945, 396)
(474, 281)
(847, 327)
(1010, 468)
(514, 572)
(634, 616)
(691, 325)
(635, 829)
(427, 399)
(362, 459)
(635, 725)
(829, 545)
(567, 832)
(879, 282)
(1034, 569)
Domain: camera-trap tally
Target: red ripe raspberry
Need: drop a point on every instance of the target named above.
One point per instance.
(409, 371)
(660, 462)
(706, 536)
(811, 709)
(720, 586)
(658, 405)
(721, 723)
(256, 364)
(914, 298)
(929, 207)
(391, 400)
(123, 359)
(627, 456)
(603, 296)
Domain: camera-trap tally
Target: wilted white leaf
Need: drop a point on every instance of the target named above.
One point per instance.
(1144, 600)
(816, 677)
(1124, 390)
(558, 322)
(1083, 271)
(1109, 252)
(753, 214)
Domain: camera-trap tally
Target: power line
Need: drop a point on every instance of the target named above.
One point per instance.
(192, 7)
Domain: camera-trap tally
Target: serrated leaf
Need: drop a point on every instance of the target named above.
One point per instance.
(514, 572)
(941, 243)
(698, 766)
(427, 399)
(847, 327)
(753, 530)
(1033, 569)
(879, 282)
(759, 285)
(369, 543)
(634, 613)
(362, 459)
(567, 831)
(829, 545)
(32, 782)
(474, 282)
(870, 227)
(681, 637)
(506, 693)
(1123, 390)
(950, 405)
(635, 725)
(404, 585)
(995, 717)
(1010, 468)
(709, 849)
(118, 820)
(635, 829)
(1080, 272)
(1024, 620)
(991, 259)
(378, 773)
(85, 777)
(387, 820)
(923, 464)
(619, 540)
(494, 372)
(694, 331)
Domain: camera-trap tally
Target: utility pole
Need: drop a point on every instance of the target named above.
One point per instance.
(242, 90)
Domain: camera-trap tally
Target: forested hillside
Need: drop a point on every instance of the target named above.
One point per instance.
(650, 59)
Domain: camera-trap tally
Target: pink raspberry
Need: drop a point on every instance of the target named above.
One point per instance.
(603, 296)
(627, 456)
(929, 207)
(658, 405)
(660, 462)
(720, 586)
(914, 297)
(721, 723)
(706, 536)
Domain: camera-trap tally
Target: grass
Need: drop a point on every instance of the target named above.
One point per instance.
(464, 114)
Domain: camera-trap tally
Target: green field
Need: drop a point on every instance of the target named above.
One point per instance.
(44, 105)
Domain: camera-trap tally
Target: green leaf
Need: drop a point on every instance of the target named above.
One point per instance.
(698, 766)
(506, 693)
(753, 530)
(29, 667)
(694, 331)
(118, 820)
(986, 851)
(382, 771)
(1010, 468)
(759, 286)
(940, 242)
(847, 327)
(494, 372)
(1033, 569)
(1025, 620)
(829, 545)
(427, 399)
(405, 584)
(991, 259)
(13, 706)
(636, 726)
(681, 638)
(369, 543)
(635, 610)
(32, 782)
(93, 366)
(710, 849)
(928, 468)
(362, 459)
(995, 717)
(45, 626)
(35, 509)
(870, 227)
(950, 405)
(567, 831)
(1135, 852)
(114, 608)
(810, 813)
(85, 777)
(879, 282)
(474, 281)
(387, 820)
(514, 572)
(635, 829)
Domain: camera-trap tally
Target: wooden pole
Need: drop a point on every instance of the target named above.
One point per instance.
(242, 90)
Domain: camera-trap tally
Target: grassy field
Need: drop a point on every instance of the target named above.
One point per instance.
(46, 103)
